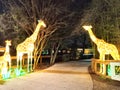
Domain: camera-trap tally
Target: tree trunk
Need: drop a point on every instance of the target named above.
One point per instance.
(54, 54)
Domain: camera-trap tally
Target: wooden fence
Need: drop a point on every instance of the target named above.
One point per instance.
(25, 57)
(96, 66)
(2, 49)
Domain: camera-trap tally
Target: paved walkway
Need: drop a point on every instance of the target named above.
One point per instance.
(71, 75)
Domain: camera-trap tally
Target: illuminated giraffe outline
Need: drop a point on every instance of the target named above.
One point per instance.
(5, 59)
(27, 46)
(102, 46)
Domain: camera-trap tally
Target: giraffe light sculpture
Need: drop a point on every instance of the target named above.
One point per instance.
(5, 59)
(27, 46)
(103, 47)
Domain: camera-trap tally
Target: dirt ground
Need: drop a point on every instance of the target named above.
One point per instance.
(102, 83)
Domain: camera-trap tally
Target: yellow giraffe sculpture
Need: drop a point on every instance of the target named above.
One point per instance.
(5, 59)
(27, 46)
(103, 47)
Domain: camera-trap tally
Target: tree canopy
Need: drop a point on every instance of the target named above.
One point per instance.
(64, 19)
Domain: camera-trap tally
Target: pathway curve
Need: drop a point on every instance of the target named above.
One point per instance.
(72, 75)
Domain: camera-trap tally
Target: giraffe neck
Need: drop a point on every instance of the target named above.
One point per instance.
(7, 48)
(33, 37)
(92, 36)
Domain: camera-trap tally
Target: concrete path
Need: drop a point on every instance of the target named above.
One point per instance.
(71, 75)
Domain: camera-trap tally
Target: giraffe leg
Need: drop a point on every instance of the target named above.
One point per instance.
(10, 65)
(103, 65)
(102, 58)
(17, 60)
(100, 64)
(9, 69)
(28, 63)
(21, 62)
(31, 62)
(17, 71)
(4, 71)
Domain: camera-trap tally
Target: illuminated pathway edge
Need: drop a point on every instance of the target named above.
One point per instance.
(71, 75)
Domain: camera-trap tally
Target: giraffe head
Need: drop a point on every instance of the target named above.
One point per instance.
(42, 23)
(87, 27)
(8, 42)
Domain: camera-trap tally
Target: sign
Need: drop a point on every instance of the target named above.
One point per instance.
(115, 70)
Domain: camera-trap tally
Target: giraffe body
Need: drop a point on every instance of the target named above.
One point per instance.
(108, 49)
(27, 46)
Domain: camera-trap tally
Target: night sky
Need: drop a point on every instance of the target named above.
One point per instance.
(75, 4)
